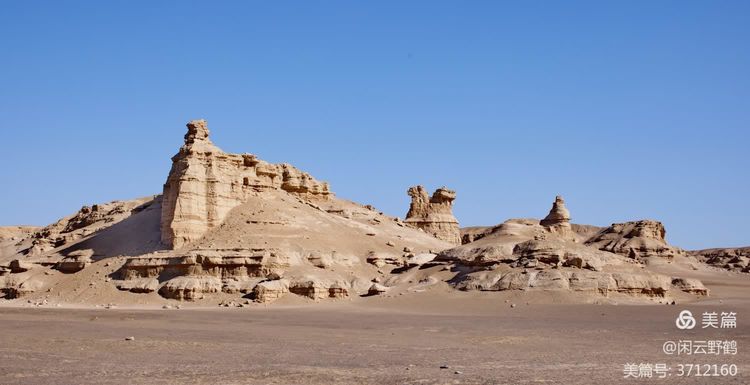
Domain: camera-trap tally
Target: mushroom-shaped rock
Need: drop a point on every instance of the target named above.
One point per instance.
(434, 214)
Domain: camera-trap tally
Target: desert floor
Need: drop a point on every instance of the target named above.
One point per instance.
(482, 340)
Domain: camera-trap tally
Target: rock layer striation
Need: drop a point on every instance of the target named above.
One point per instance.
(434, 214)
(205, 183)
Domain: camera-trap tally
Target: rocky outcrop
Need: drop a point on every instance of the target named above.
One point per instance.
(690, 285)
(497, 244)
(632, 284)
(190, 288)
(434, 214)
(199, 272)
(471, 234)
(205, 183)
(556, 253)
(219, 263)
(640, 239)
(74, 262)
(419, 259)
(86, 221)
(558, 220)
(377, 289)
(316, 289)
(269, 291)
(548, 255)
(732, 259)
(381, 259)
(139, 285)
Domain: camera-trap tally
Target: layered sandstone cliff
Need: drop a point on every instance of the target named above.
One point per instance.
(434, 214)
(205, 183)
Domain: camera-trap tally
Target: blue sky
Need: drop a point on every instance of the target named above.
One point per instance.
(630, 110)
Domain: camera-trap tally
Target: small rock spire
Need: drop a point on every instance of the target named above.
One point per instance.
(558, 215)
(197, 130)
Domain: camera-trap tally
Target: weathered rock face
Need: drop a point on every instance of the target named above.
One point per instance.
(558, 220)
(632, 284)
(205, 183)
(733, 259)
(558, 215)
(88, 220)
(199, 272)
(547, 255)
(377, 289)
(638, 284)
(221, 264)
(75, 261)
(690, 285)
(638, 239)
(556, 253)
(434, 214)
(316, 289)
(270, 291)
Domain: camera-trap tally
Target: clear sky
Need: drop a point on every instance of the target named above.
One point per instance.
(630, 109)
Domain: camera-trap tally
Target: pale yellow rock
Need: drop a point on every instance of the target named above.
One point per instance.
(558, 220)
(205, 183)
(434, 214)
(639, 239)
(269, 291)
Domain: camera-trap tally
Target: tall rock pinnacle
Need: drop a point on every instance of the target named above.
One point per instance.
(205, 183)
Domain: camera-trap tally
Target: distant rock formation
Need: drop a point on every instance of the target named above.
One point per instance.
(558, 220)
(434, 214)
(734, 258)
(639, 239)
(205, 183)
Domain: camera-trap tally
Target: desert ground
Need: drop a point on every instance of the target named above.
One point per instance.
(477, 338)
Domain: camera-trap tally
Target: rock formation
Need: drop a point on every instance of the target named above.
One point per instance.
(434, 214)
(734, 259)
(205, 183)
(527, 254)
(605, 284)
(87, 221)
(234, 225)
(558, 220)
(639, 239)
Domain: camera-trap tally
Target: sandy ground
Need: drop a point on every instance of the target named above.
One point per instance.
(378, 341)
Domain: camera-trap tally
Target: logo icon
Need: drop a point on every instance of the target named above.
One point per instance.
(685, 320)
